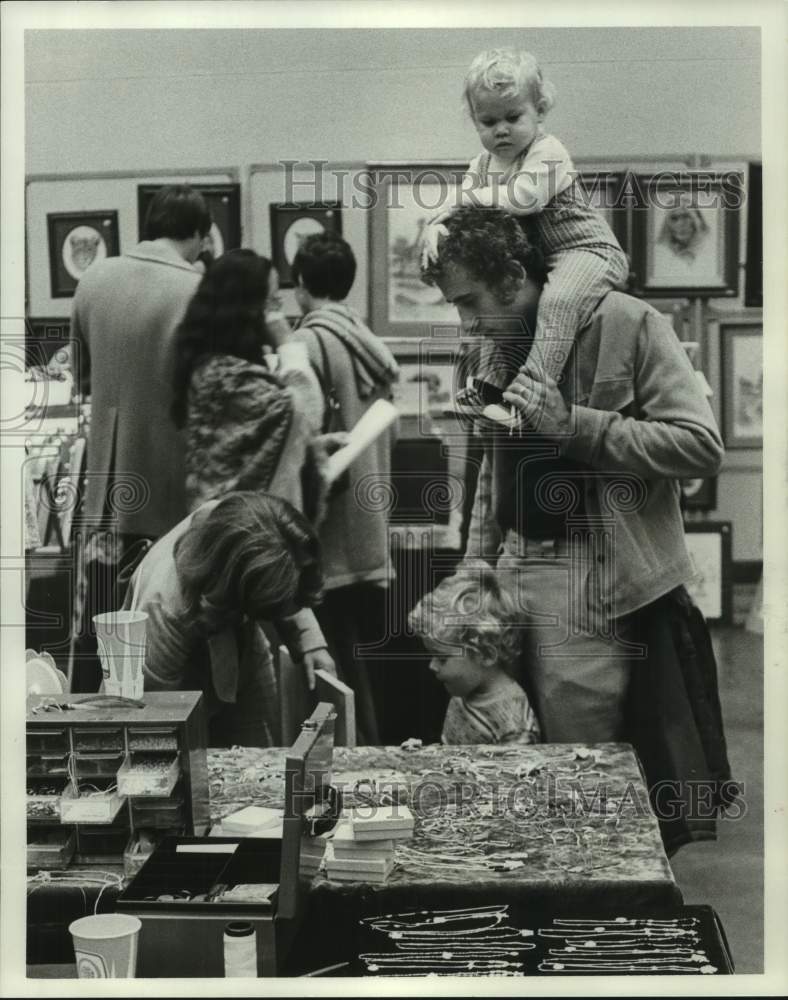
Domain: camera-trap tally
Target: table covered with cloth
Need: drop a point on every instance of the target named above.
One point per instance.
(549, 828)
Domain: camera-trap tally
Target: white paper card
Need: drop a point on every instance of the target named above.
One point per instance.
(206, 848)
(375, 421)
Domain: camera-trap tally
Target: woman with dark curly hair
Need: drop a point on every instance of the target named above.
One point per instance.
(207, 586)
(247, 427)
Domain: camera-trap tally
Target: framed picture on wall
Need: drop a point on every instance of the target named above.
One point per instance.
(677, 311)
(603, 190)
(48, 341)
(753, 281)
(741, 356)
(699, 494)
(76, 241)
(428, 373)
(224, 204)
(685, 235)
(404, 199)
(709, 545)
(291, 223)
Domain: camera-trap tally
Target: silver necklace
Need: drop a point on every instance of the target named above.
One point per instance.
(396, 962)
(596, 935)
(427, 975)
(686, 953)
(645, 965)
(446, 947)
(391, 921)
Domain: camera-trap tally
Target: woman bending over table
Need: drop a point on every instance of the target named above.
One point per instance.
(207, 586)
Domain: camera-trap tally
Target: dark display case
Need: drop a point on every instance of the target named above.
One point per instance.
(188, 890)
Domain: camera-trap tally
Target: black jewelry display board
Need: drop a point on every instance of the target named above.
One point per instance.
(510, 941)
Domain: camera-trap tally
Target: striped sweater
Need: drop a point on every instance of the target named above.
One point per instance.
(503, 715)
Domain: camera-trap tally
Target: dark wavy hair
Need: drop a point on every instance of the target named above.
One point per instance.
(326, 265)
(252, 554)
(176, 211)
(225, 316)
(485, 241)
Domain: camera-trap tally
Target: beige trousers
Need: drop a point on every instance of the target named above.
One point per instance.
(576, 662)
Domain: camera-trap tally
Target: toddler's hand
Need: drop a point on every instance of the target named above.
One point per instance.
(429, 247)
(442, 216)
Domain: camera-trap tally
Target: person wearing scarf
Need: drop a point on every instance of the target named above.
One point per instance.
(355, 368)
(249, 428)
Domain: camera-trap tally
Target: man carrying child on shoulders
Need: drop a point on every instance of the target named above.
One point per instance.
(578, 502)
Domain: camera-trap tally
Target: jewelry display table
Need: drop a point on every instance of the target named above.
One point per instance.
(545, 819)
(549, 829)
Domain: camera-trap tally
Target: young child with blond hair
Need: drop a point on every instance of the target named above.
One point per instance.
(527, 171)
(469, 625)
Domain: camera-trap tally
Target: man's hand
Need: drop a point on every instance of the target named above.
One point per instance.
(537, 399)
(317, 659)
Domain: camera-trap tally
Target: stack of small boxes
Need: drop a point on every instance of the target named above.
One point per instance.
(313, 850)
(362, 848)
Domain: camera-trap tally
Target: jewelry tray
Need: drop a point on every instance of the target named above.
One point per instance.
(712, 943)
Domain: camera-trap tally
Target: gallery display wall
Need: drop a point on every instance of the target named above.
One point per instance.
(114, 100)
(226, 97)
(275, 205)
(88, 196)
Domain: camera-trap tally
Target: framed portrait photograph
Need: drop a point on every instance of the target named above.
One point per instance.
(699, 494)
(709, 545)
(685, 235)
(76, 241)
(753, 280)
(741, 358)
(291, 223)
(224, 204)
(404, 199)
(603, 190)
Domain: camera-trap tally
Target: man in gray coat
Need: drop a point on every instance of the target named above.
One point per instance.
(126, 311)
(125, 315)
